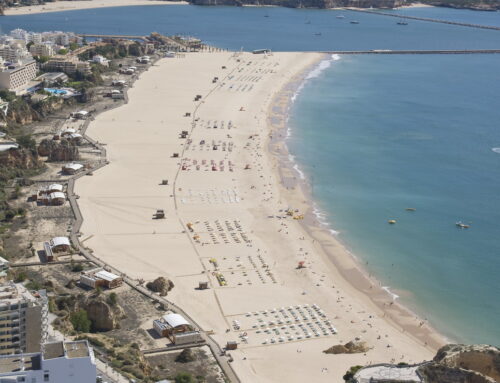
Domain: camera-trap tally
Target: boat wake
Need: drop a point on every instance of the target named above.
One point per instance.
(496, 150)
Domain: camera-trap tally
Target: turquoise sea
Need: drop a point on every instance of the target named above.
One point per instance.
(375, 135)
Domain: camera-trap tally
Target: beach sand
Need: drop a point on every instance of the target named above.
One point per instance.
(59, 6)
(235, 199)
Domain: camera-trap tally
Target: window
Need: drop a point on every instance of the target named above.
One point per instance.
(46, 376)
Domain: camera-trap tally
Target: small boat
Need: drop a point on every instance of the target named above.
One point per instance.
(462, 225)
(266, 15)
(340, 17)
(411, 209)
(317, 34)
(354, 22)
(391, 221)
(402, 23)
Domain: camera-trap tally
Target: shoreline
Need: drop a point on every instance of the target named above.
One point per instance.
(115, 206)
(324, 231)
(77, 5)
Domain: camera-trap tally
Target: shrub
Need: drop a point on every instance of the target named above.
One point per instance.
(26, 141)
(184, 377)
(77, 267)
(112, 299)
(349, 375)
(80, 321)
(20, 277)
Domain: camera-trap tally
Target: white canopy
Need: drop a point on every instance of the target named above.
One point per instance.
(58, 241)
(106, 275)
(57, 195)
(73, 166)
(55, 187)
(175, 320)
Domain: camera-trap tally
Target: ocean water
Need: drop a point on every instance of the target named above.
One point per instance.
(375, 135)
(283, 30)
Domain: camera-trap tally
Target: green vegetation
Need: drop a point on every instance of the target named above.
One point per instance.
(7, 95)
(112, 299)
(184, 377)
(26, 141)
(41, 59)
(76, 267)
(62, 51)
(80, 321)
(73, 46)
(349, 375)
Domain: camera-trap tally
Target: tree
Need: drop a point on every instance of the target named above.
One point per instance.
(7, 95)
(62, 51)
(80, 321)
(112, 299)
(73, 46)
(26, 141)
(184, 377)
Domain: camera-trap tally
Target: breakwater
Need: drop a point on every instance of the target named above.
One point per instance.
(399, 16)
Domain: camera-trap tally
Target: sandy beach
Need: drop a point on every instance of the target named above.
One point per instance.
(230, 186)
(59, 6)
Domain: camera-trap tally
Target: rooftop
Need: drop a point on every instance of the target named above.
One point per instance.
(19, 362)
(53, 350)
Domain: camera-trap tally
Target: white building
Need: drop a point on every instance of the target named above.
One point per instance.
(42, 49)
(14, 52)
(16, 77)
(59, 362)
(19, 34)
(98, 59)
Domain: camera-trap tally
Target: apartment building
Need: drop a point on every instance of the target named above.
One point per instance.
(68, 65)
(16, 76)
(58, 362)
(42, 49)
(23, 319)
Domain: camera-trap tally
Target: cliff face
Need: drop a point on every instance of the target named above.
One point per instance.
(58, 151)
(323, 4)
(20, 159)
(458, 363)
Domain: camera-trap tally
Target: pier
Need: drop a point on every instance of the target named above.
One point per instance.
(416, 52)
(399, 16)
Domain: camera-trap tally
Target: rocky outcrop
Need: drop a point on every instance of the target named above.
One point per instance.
(104, 317)
(20, 158)
(482, 359)
(63, 150)
(353, 347)
(459, 363)
(160, 285)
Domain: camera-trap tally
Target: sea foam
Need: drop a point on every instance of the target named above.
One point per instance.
(394, 296)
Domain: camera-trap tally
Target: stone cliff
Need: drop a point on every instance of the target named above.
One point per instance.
(458, 363)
